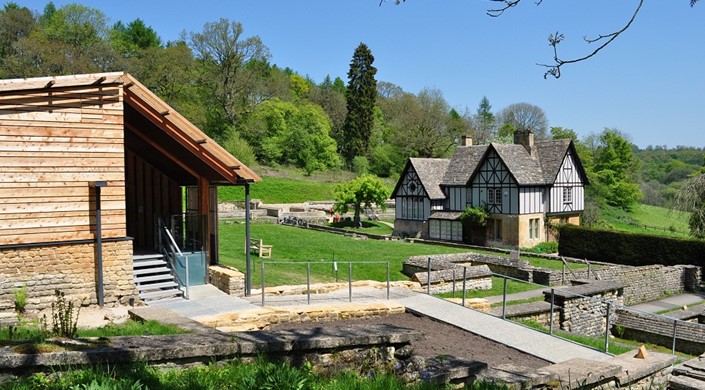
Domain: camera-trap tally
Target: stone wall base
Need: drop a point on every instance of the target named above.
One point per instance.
(227, 279)
(69, 268)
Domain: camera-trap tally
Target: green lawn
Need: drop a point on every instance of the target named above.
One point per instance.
(497, 289)
(647, 219)
(291, 244)
(371, 227)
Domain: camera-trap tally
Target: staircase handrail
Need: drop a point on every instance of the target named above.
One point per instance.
(170, 250)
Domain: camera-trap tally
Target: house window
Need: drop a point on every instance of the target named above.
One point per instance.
(494, 196)
(567, 194)
(495, 229)
(434, 229)
(534, 228)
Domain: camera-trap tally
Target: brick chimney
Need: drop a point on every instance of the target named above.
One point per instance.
(466, 140)
(526, 139)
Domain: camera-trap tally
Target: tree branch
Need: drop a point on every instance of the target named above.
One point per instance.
(507, 5)
(555, 39)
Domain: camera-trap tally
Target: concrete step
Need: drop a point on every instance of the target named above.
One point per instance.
(151, 296)
(147, 257)
(156, 286)
(146, 271)
(154, 278)
(148, 263)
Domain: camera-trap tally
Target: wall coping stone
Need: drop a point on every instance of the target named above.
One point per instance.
(593, 288)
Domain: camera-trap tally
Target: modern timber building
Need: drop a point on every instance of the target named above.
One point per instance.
(95, 169)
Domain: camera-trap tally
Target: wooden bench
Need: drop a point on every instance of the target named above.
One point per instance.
(258, 247)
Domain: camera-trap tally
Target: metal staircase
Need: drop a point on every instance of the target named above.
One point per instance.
(154, 279)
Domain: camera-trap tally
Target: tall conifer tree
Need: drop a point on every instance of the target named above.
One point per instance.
(361, 97)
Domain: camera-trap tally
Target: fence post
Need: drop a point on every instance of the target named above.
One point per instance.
(504, 299)
(465, 270)
(262, 279)
(388, 277)
(550, 318)
(563, 273)
(349, 282)
(308, 283)
(673, 351)
(607, 329)
(428, 277)
(453, 282)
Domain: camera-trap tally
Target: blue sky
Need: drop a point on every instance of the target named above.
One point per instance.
(648, 83)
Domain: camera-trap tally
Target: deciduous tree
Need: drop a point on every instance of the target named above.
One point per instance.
(291, 133)
(521, 117)
(691, 197)
(363, 192)
(224, 53)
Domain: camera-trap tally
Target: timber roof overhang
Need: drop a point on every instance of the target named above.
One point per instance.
(185, 145)
(156, 131)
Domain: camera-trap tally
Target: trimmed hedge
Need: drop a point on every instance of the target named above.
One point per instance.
(628, 248)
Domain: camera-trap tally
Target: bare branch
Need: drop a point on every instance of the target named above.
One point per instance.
(553, 40)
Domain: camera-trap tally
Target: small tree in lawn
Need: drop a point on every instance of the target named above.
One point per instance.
(362, 192)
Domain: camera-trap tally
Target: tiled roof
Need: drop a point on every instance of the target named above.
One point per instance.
(446, 215)
(525, 168)
(551, 155)
(430, 171)
(463, 164)
(539, 169)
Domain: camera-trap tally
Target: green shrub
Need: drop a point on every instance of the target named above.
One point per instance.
(20, 299)
(475, 216)
(360, 165)
(542, 247)
(64, 321)
(628, 248)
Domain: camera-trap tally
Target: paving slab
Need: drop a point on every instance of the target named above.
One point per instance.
(204, 300)
(672, 302)
(527, 340)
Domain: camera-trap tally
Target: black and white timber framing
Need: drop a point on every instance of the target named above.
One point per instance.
(524, 186)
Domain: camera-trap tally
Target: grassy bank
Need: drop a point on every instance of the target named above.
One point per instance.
(645, 219)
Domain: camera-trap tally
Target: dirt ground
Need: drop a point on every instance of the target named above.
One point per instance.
(441, 339)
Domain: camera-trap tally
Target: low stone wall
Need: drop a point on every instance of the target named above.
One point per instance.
(408, 228)
(455, 278)
(538, 312)
(690, 337)
(640, 284)
(69, 268)
(648, 283)
(227, 279)
(584, 307)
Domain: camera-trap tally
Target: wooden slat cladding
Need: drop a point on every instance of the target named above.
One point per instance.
(54, 143)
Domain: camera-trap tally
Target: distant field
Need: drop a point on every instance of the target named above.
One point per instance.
(648, 220)
(280, 190)
(285, 190)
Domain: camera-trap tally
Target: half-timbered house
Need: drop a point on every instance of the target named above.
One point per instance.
(525, 186)
(95, 171)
